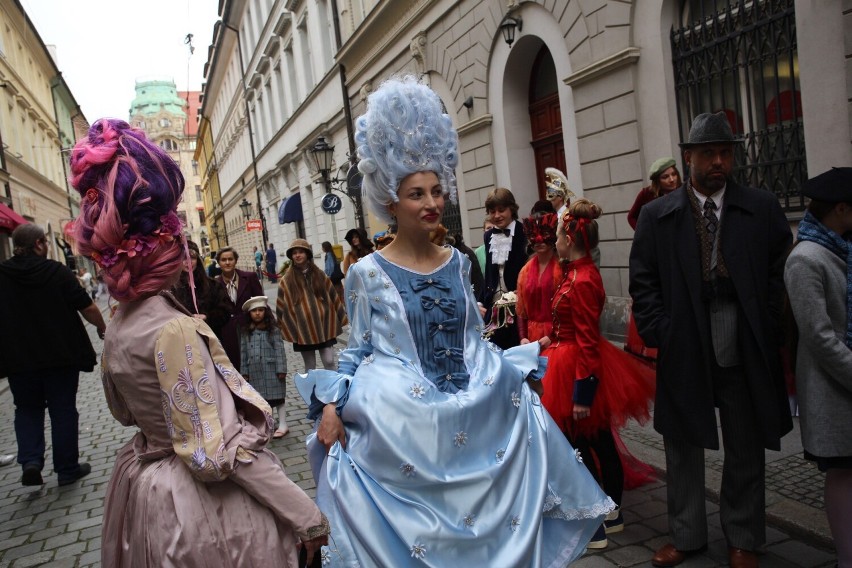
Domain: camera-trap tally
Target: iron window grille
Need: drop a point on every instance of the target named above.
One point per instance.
(740, 58)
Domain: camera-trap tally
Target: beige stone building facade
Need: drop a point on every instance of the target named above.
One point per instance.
(39, 121)
(599, 88)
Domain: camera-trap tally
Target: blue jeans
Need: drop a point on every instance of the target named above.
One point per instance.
(55, 390)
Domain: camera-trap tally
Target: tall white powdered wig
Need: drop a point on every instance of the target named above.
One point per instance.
(404, 131)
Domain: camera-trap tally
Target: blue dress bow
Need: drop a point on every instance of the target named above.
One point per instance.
(451, 324)
(451, 353)
(446, 305)
(452, 382)
(418, 284)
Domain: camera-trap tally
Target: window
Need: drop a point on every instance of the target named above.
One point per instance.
(198, 196)
(169, 145)
(165, 122)
(140, 124)
(740, 57)
(195, 169)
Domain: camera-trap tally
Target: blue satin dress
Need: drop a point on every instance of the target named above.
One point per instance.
(450, 458)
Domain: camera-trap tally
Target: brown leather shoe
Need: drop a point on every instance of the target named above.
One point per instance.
(739, 558)
(668, 555)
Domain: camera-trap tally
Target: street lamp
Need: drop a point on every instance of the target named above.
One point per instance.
(323, 156)
(245, 207)
(507, 27)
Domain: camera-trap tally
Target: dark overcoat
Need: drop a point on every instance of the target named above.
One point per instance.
(247, 287)
(666, 284)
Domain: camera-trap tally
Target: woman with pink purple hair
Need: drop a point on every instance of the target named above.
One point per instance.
(196, 485)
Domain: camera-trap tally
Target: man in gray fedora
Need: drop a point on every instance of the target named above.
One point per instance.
(706, 277)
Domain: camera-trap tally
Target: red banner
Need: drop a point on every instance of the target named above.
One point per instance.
(254, 225)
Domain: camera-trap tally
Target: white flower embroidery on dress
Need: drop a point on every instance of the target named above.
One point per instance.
(418, 551)
(368, 359)
(529, 440)
(516, 399)
(500, 454)
(551, 501)
(515, 524)
(460, 439)
(578, 455)
(488, 382)
(408, 470)
(352, 464)
(353, 296)
(367, 335)
(494, 348)
(325, 556)
(417, 390)
(469, 520)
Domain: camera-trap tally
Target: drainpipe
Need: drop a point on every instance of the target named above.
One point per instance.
(347, 113)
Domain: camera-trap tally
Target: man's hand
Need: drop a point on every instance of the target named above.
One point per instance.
(92, 314)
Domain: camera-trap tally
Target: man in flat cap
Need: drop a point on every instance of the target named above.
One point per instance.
(706, 277)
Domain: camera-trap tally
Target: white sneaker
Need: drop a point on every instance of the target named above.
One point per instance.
(6, 459)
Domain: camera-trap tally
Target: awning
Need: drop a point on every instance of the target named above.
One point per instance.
(290, 210)
(9, 219)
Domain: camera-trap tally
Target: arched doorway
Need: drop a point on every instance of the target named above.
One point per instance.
(545, 118)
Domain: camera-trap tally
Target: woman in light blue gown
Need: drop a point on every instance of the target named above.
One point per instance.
(432, 449)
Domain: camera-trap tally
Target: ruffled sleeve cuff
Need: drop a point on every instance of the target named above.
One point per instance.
(324, 387)
(527, 360)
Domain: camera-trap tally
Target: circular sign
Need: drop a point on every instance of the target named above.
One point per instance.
(331, 203)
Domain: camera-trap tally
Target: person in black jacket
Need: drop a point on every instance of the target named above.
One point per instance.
(44, 348)
(505, 255)
(210, 296)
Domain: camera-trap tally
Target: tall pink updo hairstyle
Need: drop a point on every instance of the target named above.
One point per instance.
(130, 189)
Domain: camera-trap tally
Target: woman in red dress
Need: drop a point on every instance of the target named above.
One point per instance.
(591, 388)
(538, 279)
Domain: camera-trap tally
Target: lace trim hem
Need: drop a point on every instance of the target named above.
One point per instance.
(598, 510)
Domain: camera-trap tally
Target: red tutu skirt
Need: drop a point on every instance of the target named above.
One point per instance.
(635, 346)
(625, 389)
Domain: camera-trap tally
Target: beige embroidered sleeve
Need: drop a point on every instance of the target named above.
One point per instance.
(189, 401)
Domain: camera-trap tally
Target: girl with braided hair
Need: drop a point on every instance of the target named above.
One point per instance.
(196, 485)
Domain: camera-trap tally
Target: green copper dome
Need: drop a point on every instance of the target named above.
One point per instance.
(155, 96)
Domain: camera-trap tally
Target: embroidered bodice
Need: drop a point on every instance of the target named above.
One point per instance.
(434, 306)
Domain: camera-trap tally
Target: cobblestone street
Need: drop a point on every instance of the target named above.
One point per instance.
(61, 527)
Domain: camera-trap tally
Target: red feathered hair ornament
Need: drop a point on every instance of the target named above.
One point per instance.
(541, 228)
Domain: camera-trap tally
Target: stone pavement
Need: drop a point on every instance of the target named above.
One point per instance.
(61, 527)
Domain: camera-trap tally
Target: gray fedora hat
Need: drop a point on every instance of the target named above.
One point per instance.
(710, 128)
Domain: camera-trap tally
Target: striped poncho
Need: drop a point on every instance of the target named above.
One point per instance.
(306, 319)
